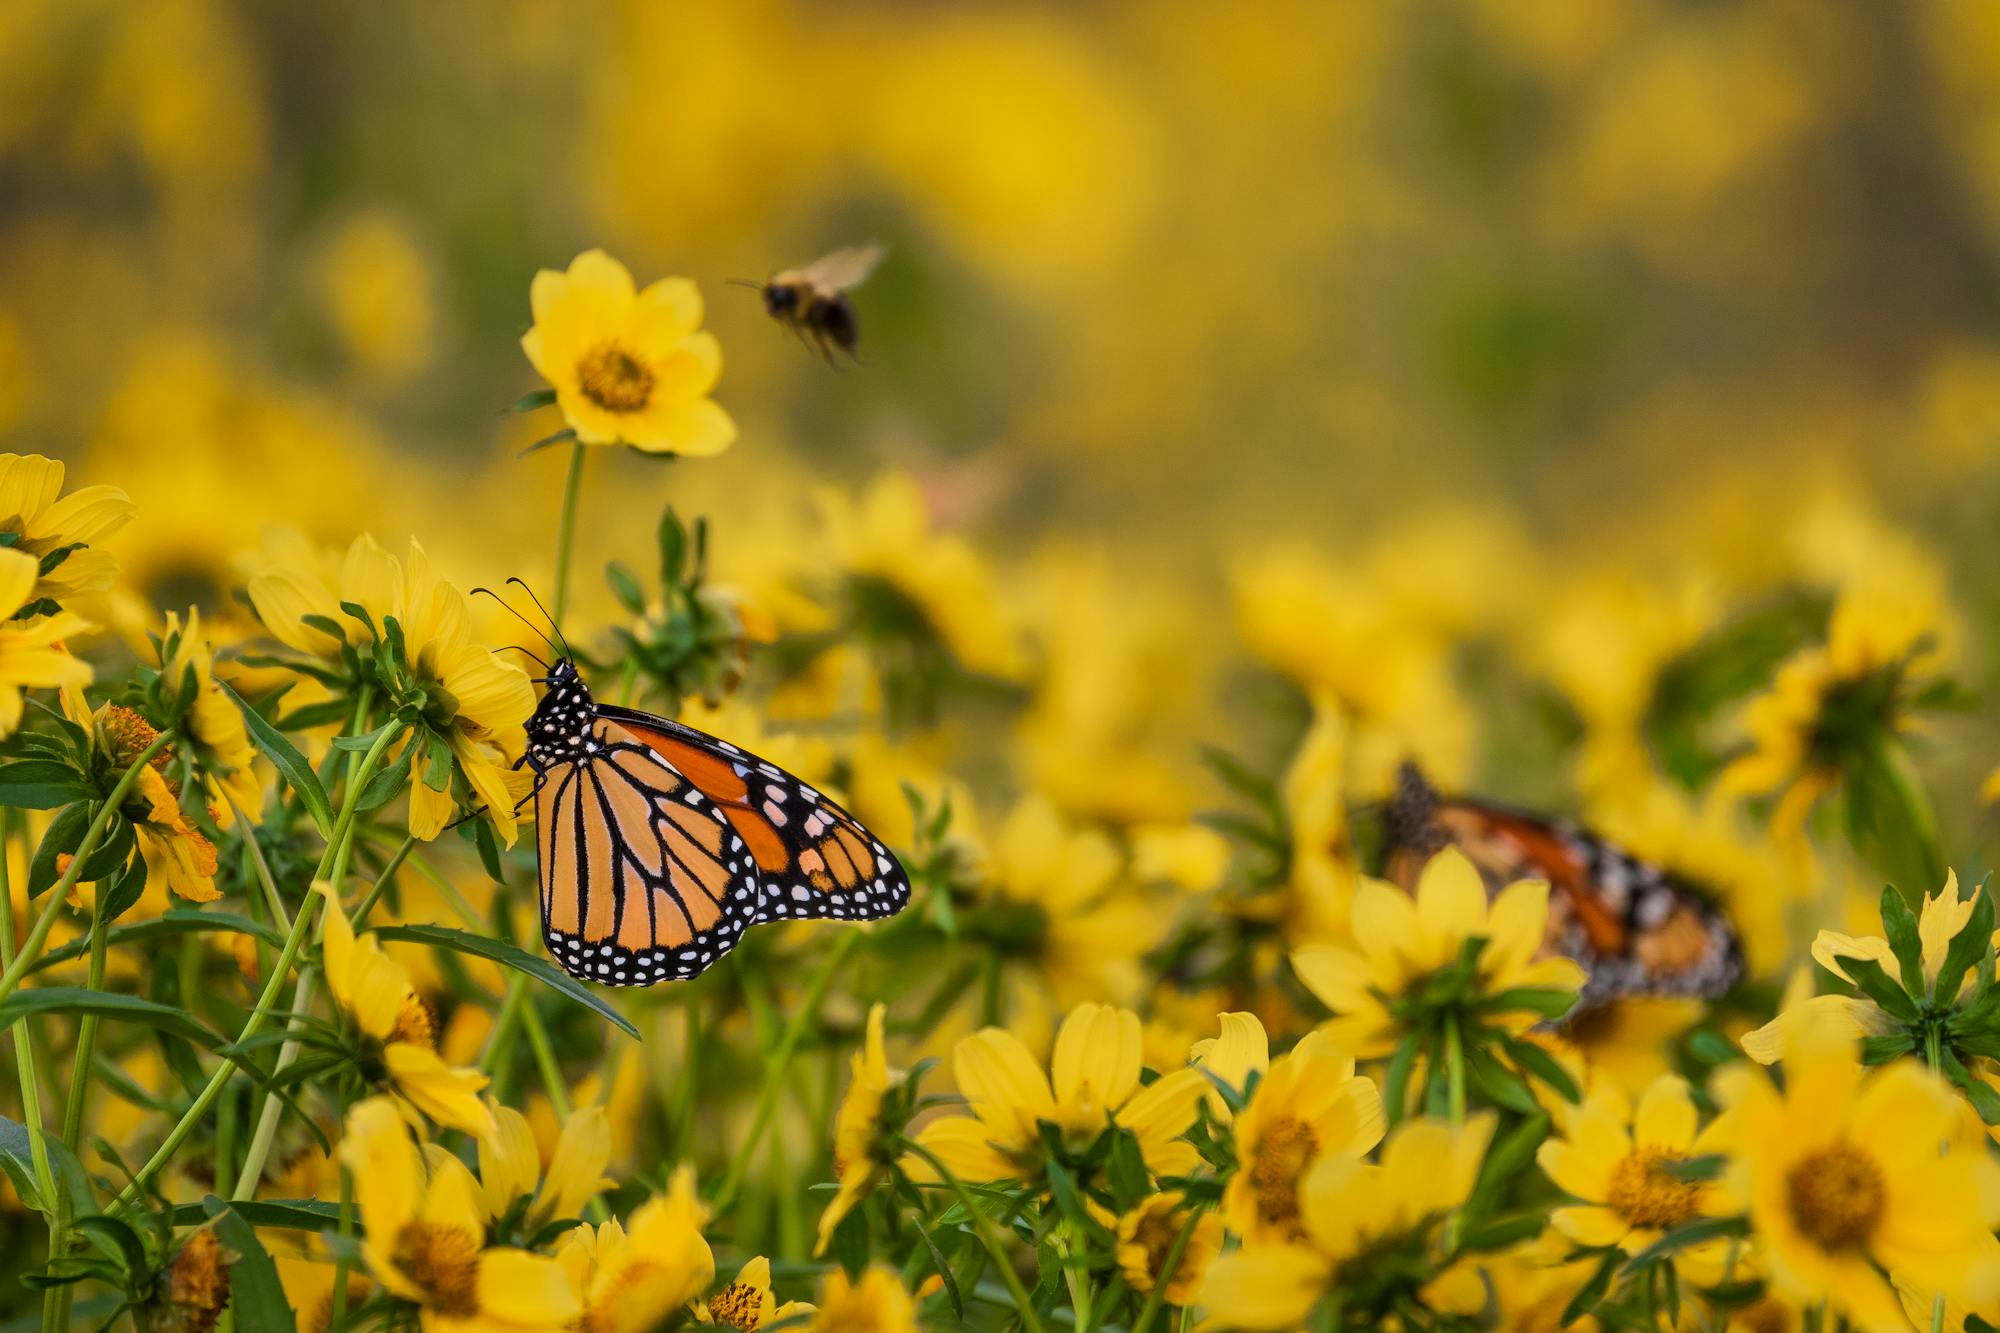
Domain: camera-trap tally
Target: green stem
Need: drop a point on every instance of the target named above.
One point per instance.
(359, 916)
(1454, 1048)
(1081, 1298)
(982, 1226)
(339, 1308)
(31, 947)
(686, 1091)
(24, 1051)
(255, 850)
(294, 941)
(86, 1031)
(566, 533)
(779, 1063)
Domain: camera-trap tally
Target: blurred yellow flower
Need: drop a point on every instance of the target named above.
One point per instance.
(1848, 1172)
(375, 285)
(213, 725)
(1242, 1049)
(1619, 1163)
(1399, 941)
(630, 1278)
(424, 1236)
(398, 1029)
(859, 1152)
(308, 1283)
(747, 1303)
(510, 1164)
(628, 367)
(876, 1303)
(909, 583)
(1093, 1083)
(1308, 1105)
(60, 531)
(1146, 1239)
(1348, 1208)
(32, 656)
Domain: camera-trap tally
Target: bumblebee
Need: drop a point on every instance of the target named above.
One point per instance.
(812, 301)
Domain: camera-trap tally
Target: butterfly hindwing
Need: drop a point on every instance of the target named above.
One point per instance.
(1635, 928)
(642, 878)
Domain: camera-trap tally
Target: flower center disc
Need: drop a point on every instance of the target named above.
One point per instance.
(1646, 1194)
(613, 378)
(1283, 1153)
(444, 1261)
(1836, 1196)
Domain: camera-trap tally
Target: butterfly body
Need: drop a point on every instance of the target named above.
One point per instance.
(660, 844)
(1635, 928)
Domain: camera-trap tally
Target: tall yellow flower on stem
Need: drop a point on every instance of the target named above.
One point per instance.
(1093, 1085)
(396, 1031)
(424, 1236)
(1852, 1178)
(32, 656)
(628, 366)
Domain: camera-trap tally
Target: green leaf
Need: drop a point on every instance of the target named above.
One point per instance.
(1544, 1067)
(1549, 1001)
(288, 1214)
(1396, 1079)
(1980, 1093)
(179, 921)
(1692, 1234)
(124, 892)
(1969, 946)
(255, 1294)
(387, 783)
(1872, 981)
(1887, 1046)
(1507, 1158)
(1592, 1292)
(1502, 1086)
(65, 835)
(530, 402)
(17, 1158)
(81, 1000)
(1900, 925)
(673, 548)
(1130, 1181)
(510, 955)
(291, 765)
(118, 1242)
(625, 587)
(40, 784)
(560, 437)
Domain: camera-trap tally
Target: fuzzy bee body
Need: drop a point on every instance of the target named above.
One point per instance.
(812, 301)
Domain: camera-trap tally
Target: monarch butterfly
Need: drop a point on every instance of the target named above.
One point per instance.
(1636, 929)
(659, 843)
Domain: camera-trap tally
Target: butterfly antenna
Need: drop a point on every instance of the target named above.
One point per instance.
(509, 607)
(532, 656)
(562, 640)
(744, 282)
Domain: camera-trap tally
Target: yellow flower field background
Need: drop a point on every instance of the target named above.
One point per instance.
(1266, 421)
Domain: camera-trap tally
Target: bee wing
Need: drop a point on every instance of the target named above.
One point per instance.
(844, 268)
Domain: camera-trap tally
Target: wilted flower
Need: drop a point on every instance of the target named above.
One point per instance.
(193, 1290)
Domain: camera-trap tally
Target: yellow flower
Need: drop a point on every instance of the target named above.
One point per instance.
(398, 1028)
(875, 1304)
(908, 581)
(1241, 1050)
(1399, 942)
(747, 1303)
(1146, 1238)
(629, 1279)
(308, 1284)
(628, 367)
(1619, 1162)
(1093, 1084)
(37, 519)
(375, 286)
(1309, 1105)
(1320, 885)
(510, 1164)
(424, 1236)
(212, 725)
(473, 703)
(31, 651)
(1848, 1172)
(1348, 1209)
(1832, 705)
(858, 1151)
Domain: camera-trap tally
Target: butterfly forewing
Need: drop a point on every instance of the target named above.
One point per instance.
(813, 859)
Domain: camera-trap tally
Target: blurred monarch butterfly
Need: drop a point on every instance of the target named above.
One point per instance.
(659, 844)
(1636, 929)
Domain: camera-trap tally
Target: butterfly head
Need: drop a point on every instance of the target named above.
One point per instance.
(562, 728)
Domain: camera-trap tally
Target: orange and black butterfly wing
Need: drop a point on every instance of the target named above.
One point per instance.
(1636, 929)
(643, 879)
(813, 860)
